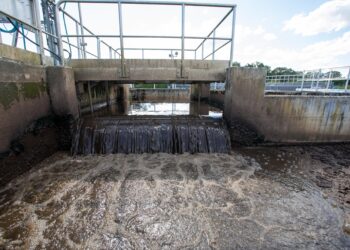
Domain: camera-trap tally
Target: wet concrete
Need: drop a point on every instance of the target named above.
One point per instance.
(255, 198)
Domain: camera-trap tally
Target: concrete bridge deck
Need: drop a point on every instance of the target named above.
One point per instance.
(149, 70)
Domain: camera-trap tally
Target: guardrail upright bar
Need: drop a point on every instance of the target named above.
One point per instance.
(347, 81)
(121, 39)
(82, 31)
(213, 55)
(232, 34)
(98, 48)
(329, 78)
(78, 40)
(39, 31)
(182, 38)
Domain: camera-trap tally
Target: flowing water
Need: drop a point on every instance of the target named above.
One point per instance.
(151, 127)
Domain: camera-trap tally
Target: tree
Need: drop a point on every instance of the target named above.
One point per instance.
(283, 71)
(236, 64)
(259, 65)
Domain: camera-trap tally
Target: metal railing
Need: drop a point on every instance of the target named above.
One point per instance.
(35, 28)
(328, 81)
(80, 30)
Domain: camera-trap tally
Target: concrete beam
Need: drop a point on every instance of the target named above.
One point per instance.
(150, 70)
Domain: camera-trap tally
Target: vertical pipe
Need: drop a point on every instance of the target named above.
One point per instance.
(78, 40)
(58, 31)
(213, 57)
(121, 38)
(183, 32)
(90, 98)
(82, 31)
(98, 48)
(232, 34)
(329, 78)
(347, 81)
(318, 79)
(39, 31)
(182, 39)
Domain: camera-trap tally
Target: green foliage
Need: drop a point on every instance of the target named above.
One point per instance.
(259, 65)
(236, 64)
(283, 71)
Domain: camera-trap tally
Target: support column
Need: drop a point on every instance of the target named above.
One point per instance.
(62, 91)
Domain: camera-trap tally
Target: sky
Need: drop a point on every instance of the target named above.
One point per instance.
(296, 33)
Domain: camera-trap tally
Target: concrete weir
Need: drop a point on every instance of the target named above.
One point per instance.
(143, 134)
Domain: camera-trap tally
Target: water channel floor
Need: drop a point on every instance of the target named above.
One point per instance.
(167, 201)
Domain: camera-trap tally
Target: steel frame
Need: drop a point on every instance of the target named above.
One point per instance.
(121, 36)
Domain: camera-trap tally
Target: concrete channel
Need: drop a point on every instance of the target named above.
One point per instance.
(174, 180)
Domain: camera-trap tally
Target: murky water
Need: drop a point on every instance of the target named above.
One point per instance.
(166, 201)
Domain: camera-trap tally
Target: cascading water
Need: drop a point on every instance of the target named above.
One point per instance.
(141, 134)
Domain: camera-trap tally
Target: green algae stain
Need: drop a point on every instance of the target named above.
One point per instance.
(32, 90)
(11, 92)
(8, 94)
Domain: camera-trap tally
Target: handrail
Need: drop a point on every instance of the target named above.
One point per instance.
(121, 36)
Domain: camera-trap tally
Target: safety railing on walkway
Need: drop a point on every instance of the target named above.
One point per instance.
(62, 40)
(328, 81)
(120, 52)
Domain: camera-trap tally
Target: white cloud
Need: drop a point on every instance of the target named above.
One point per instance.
(330, 16)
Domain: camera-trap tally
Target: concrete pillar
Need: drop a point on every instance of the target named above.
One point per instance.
(200, 91)
(62, 91)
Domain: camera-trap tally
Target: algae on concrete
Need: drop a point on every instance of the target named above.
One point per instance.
(8, 94)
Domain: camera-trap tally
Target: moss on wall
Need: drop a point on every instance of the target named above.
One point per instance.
(32, 90)
(11, 92)
(8, 94)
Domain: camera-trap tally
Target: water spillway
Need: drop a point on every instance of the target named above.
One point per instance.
(142, 134)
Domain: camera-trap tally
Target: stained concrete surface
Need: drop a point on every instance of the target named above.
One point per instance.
(255, 198)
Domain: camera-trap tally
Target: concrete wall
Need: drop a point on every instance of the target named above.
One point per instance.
(23, 98)
(160, 94)
(284, 118)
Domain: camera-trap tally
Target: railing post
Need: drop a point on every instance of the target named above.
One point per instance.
(195, 55)
(202, 51)
(329, 78)
(98, 48)
(232, 34)
(82, 31)
(347, 81)
(39, 32)
(213, 57)
(143, 54)
(78, 40)
(110, 52)
(318, 79)
(182, 38)
(123, 74)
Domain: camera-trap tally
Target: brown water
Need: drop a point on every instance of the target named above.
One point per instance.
(251, 199)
